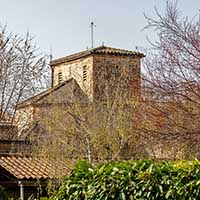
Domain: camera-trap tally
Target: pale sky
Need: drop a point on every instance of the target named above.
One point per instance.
(64, 25)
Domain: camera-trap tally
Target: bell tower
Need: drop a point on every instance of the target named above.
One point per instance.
(101, 71)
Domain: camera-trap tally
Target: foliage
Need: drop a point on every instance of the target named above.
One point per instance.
(142, 179)
(97, 131)
(3, 194)
(34, 198)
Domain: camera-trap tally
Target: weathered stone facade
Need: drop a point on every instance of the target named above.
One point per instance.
(99, 74)
(101, 70)
(63, 95)
(116, 74)
(74, 69)
(24, 117)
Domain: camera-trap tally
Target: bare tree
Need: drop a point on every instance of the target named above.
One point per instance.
(172, 76)
(97, 130)
(23, 72)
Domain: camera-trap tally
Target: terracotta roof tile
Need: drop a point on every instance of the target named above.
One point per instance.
(33, 168)
(97, 50)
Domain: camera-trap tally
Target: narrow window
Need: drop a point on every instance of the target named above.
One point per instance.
(70, 71)
(59, 77)
(84, 73)
(117, 71)
(132, 69)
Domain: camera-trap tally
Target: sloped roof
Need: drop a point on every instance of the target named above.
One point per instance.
(33, 168)
(5, 116)
(97, 50)
(72, 92)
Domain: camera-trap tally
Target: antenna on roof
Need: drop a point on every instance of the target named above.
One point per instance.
(51, 56)
(92, 25)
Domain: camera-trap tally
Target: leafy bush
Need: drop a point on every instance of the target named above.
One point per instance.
(144, 179)
(3, 194)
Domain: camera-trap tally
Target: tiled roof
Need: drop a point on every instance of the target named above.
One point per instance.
(70, 91)
(33, 168)
(97, 50)
(111, 50)
(39, 96)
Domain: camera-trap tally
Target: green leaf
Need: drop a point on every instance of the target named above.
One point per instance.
(169, 192)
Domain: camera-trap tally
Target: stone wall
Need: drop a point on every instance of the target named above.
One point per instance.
(7, 131)
(74, 69)
(118, 74)
(103, 72)
(24, 117)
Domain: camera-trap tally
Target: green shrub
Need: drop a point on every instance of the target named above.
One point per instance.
(3, 193)
(138, 180)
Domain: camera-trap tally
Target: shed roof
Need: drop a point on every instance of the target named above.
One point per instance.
(97, 50)
(33, 168)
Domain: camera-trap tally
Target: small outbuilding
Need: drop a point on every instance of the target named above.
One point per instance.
(23, 176)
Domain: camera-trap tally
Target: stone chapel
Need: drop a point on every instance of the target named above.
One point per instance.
(95, 74)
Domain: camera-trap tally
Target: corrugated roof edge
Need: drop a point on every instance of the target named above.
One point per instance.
(97, 50)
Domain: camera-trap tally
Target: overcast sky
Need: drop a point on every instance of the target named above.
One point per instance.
(64, 25)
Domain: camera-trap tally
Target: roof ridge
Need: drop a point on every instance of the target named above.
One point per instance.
(44, 93)
(99, 49)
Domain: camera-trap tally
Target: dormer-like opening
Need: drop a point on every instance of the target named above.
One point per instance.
(60, 78)
(84, 73)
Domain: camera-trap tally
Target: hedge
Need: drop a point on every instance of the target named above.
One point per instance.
(138, 180)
